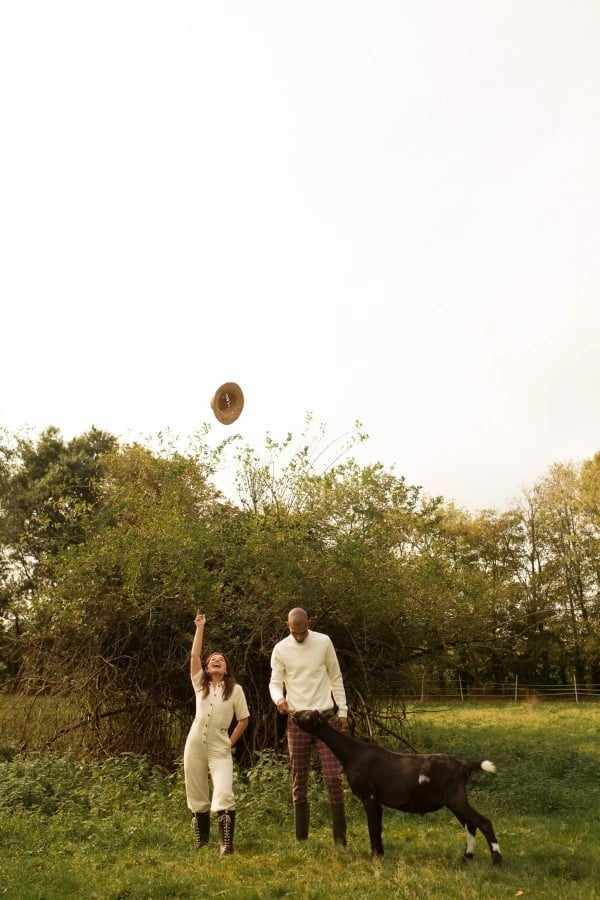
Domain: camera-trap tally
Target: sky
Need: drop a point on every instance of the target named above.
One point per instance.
(378, 212)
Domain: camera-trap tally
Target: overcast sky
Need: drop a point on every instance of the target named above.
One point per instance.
(385, 212)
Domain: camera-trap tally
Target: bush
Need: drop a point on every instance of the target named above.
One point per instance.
(49, 783)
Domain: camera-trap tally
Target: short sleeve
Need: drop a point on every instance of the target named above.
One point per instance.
(240, 707)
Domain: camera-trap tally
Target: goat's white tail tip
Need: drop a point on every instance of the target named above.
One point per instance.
(488, 766)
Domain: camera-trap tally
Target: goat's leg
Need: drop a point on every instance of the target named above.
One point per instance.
(374, 822)
(472, 820)
(470, 831)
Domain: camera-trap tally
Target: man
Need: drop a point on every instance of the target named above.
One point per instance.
(305, 674)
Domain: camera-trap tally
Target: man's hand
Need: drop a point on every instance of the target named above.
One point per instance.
(282, 707)
(343, 724)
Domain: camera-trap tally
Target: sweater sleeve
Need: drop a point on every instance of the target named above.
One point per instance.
(277, 677)
(336, 681)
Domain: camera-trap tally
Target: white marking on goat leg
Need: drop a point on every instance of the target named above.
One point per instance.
(495, 848)
(423, 779)
(470, 849)
(488, 766)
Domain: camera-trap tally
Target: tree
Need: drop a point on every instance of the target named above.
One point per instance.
(47, 487)
(564, 567)
(115, 626)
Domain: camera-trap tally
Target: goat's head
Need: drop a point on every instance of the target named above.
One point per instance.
(310, 720)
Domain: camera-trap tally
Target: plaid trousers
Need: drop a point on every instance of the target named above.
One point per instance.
(300, 745)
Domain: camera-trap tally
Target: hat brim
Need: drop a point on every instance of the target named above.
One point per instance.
(227, 402)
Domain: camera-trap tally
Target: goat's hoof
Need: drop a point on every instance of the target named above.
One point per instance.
(467, 858)
(497, 858)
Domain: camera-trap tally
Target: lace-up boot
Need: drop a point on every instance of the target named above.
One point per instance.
(226, 819)
(201, 826)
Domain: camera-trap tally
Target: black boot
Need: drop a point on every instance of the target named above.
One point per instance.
(226, 818)
(301, 820)
(201, 826)
(338, 817)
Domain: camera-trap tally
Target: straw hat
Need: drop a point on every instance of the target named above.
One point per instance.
(228, 402)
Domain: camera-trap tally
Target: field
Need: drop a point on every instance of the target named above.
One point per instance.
(117, 829)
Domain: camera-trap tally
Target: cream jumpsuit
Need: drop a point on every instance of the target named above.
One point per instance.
(208, 748)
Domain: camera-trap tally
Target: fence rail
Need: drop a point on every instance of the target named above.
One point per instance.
(507, 691)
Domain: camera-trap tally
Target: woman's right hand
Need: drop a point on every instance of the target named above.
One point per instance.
(200, 620)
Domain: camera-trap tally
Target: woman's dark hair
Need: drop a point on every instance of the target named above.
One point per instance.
(229, 682)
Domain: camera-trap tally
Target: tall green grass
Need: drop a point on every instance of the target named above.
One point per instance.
(119, 829)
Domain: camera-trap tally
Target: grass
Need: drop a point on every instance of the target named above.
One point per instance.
(121, 830)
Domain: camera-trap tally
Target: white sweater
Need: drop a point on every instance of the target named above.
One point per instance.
(309, 672)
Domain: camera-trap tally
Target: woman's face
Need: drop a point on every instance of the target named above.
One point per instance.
(216, 663)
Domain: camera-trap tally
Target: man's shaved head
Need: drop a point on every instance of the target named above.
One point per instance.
(297, 617)
(298, 623)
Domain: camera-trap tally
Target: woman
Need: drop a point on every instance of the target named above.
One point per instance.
(219, 699)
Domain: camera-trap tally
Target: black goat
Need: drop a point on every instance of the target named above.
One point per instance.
(412, 782)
